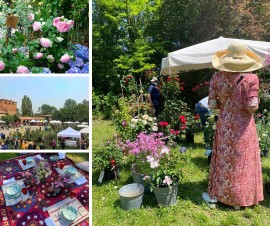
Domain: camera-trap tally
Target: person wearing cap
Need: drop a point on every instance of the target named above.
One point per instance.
(154, 95)
(235, 173)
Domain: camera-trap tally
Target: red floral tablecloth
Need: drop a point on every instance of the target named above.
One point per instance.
(33, 212)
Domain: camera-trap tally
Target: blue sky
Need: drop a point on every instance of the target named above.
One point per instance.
(44, 90)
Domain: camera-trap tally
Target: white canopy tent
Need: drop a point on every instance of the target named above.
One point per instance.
(1, 121)
(55, 122)
(85, 130)
(82, 126)
(69, 132)
(69, 122)
(33, 120)
(199, 56)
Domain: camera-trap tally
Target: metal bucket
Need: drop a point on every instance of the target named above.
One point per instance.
(166, 196)
(131, 196)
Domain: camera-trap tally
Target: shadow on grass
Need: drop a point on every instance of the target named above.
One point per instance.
(201, 162)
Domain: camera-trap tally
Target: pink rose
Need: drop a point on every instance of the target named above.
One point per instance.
(14, 50)
(38, 56)
(22, 69)
(36, 26)
(63, 27)
(31, 17)
(2, 66)
(46, 42)
(50, 58)
(56, 21)
(60, 66)
(65, 58)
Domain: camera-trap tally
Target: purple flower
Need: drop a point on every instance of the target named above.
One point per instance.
(46, 71)
(46, 165)
(78, 63)
(37, 159)
(124, 123)
(85, 69)
(74, 70)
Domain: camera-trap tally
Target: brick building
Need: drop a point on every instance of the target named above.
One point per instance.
(7, 107)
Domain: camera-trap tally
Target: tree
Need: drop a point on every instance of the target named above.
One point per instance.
(46, 109)
(26, 107)
(9, 118)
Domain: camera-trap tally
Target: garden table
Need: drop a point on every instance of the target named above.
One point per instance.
(43, 205)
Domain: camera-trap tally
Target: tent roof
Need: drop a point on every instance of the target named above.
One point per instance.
(69, 132)
(85, 130)
(199, 56)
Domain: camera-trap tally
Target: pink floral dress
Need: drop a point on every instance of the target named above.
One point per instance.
(235, 172)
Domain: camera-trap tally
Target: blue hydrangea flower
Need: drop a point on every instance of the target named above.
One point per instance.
(46, 71)
(85, 68)
(74, 70)
(82, 52)
(78, 63)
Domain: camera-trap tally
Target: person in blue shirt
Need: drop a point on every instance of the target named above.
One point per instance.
(154, 94)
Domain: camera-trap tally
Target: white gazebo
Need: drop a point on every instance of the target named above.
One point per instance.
(199, 56)
(69, 132)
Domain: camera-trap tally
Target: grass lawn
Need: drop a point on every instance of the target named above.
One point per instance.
(190, 209)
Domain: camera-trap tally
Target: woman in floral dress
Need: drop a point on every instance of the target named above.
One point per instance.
(235, 173)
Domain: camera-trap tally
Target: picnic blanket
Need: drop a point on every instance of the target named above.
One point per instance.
(34, 210)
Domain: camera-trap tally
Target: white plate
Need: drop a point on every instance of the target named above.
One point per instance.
(69, 213)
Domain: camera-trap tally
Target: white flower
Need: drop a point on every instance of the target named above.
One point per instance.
(214, 127)
(264, 135)
(265, 110)
(154, 164)
(144, 122)
(59, 39)
(145, 117)
(165, 150)
(150, 158)
(132, 125)
(155, 128)
(146, 177)
(134, 120)
(150, 119)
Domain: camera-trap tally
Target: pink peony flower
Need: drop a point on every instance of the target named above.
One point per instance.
(22, 69)
(31, 17)
(36, 26)
(63, 26)
(65, 58)
(14, 50)
(50, 58)
(60, 66)
(167, 180)
(38, 56)
(56, 21)
(2, 66)
(47, 43)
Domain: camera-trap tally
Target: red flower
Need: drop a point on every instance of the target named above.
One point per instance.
(182, 83)
(172, 131)
(165, 124)
(182, 118)
(161, 124)
(168, 79)
(184, 126)
(182, 88)
(176, 132)
(196, 117)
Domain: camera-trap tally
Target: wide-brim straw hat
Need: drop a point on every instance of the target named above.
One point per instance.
(236, 58)
(154, 79)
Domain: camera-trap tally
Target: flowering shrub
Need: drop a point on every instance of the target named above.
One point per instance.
(263, 130)
(143, 123)
(81, 63)
(128, 84)
(144, 150)
(209, 130)
(163, 168)
(108, 155)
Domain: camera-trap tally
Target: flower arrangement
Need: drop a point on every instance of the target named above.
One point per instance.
(42, 168)
(29, 177)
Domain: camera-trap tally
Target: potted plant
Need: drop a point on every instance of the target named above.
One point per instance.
(165, 176)
(145, 145)
(58, 185)
(28, 177)
(42, 169)
(107, 160)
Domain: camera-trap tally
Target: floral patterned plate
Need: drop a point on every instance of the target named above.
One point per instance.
(68, 213)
